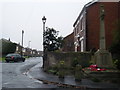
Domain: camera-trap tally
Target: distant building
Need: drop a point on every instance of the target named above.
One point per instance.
(68, 43)
(40, 53)
(27, 52)
(18, 49)
(34, 53)
(6, 46)
(87, 25)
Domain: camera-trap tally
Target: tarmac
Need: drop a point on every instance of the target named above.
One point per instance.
(37, 72)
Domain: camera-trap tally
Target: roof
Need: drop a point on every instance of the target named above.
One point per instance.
(91, 3)
(5, 40)
(68, 35)
(108, 0)
(85, 6)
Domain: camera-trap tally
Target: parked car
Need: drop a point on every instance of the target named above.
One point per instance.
(14, 57)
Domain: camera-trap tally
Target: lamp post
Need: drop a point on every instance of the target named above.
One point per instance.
(28, 51)
(22, 43)
(29, 44)
(44, 21)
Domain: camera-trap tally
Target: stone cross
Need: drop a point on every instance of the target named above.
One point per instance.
(102, 28)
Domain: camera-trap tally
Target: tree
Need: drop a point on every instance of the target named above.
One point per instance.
(7, 47)
(115, 47)
(51, 40)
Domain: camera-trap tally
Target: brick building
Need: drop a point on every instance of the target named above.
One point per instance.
(68, 45)
(87, 25)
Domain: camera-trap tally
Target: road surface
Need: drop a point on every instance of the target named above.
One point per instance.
(14, 74)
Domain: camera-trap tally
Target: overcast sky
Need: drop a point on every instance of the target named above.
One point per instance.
(18, 15)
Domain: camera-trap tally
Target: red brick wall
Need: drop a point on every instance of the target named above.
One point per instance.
(119, 10)
(93, 23)
(68, 45)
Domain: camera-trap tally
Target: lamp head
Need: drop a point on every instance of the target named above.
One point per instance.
(44, 19)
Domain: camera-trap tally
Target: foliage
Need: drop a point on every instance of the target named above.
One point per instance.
(61, 72)
(115, 47)
(2, 59)
(95, 80)
(52, 71)
(78, 72)
(75, 62)
(62, 62)
(51, 40)
(117, 64)
(8, 47)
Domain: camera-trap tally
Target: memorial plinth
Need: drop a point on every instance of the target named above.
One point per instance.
(103, 58)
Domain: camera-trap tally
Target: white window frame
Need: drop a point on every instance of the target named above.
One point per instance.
(82, 43)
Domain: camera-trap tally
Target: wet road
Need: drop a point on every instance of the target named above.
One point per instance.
(14, 74)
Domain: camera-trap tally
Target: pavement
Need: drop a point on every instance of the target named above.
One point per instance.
(37, 72)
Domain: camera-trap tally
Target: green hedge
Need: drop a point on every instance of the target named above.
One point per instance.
(8, 47)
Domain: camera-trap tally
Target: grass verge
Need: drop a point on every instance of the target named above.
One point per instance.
(2, 59)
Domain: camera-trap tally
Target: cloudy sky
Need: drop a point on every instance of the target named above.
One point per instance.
(18, 15)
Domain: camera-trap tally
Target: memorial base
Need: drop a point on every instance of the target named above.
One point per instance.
(103, 58)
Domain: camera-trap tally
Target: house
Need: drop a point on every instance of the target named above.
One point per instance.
(27, 51)
(87, 24)
(34, 52)
(40, 53)
(18, 48)
(6, 46)
(68, 45)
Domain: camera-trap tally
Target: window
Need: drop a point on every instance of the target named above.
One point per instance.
(24, 50)
(17, 48)
(82, 45)
(81, 25)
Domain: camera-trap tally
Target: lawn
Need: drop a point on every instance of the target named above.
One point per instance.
(2, 58)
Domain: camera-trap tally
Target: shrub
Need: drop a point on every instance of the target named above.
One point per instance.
(61, 69)
(75, 62)
(117, 64)
(8, 47)
(52, 71)
(95, 80)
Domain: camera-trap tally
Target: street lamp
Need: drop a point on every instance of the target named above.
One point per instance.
(22, 43)
(44, 21)
(29, 44)
(28, 50)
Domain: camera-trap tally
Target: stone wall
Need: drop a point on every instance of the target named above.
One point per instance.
(53, 58)
(113, 77)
